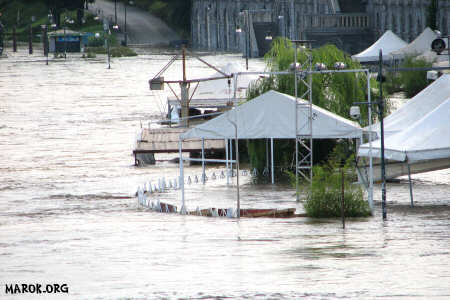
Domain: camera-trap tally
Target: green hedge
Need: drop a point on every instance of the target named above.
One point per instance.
(324, 197)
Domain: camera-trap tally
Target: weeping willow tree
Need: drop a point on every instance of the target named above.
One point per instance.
(335, 92)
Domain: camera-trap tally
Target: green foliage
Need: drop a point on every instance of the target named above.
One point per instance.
(121, 51)
(95, 50)
(325, 196)
(158, 8)
(176, 13)
(413, 82)
(334, 92)
(94, 41)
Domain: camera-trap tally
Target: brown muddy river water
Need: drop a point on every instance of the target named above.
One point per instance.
(68, 212)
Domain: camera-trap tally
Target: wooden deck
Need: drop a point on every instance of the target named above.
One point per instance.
(165, 140)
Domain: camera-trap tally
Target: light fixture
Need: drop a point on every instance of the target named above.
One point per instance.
(355, 112)
(339, 65)
(320, 66)
(53, 25)
(292, 66)
(97, 35)
(238, 29)
(269, 36)
(438, 45)
(96, 18)
(280, 17)
(116, 27)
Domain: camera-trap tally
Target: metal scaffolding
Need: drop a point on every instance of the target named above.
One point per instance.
(303, 117)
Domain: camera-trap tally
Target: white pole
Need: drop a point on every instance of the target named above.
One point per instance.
(203, 161)
(370, 143)
(238, 211)
(296, 123)
(227, 163)
(271, 157)
(231, 155)
(410, 185)
(183, 207)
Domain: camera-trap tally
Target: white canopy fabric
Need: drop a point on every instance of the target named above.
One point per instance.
(272, 115)
(388, 42)
(416, 108)
(419, 46)
(428, 138)
(219, 88)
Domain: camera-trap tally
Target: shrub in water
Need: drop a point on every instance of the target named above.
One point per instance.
(324, 197)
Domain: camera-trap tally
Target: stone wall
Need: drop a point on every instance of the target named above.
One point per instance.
(214, 22)
(406, 18)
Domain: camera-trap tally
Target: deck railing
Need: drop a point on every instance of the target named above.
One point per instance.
(350, 21)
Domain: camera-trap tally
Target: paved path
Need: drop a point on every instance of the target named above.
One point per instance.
(142, 27)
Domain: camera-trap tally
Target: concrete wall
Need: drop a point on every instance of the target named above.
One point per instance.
(214, 22)
(406, 18)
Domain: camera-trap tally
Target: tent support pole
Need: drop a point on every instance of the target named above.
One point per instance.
(369, 99)
(296, 125)
(410, 185)
(238, 211)
(203, 161)
(231, 157)
(183, 207)
(267, 154)
(271, 157)
(227, 163)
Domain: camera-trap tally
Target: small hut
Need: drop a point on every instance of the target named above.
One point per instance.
(65, 40)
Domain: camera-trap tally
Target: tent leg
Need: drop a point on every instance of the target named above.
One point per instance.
(183, 207)
(231, 156)
(271, 157)
(227, 163)
(267, 154)
(410, 186)
(203, 161)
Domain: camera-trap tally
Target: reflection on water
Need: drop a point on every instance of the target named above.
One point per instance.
(68, 214)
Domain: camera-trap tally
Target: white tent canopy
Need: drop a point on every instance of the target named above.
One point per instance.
(388, 42)
(272, 115)
(220, 88)
(417, 107)
(419, 46)
(428, 138)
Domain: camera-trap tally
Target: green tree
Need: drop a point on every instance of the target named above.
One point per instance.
(325, 196)
(334, 92)
(413, 82)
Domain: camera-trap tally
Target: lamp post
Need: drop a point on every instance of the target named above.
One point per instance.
(380, 116)
(125, 25)
(45, 41)
(244, 14)
(115, 11)
(107, 32)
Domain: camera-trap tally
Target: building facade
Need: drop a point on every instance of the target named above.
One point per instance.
(350, 24)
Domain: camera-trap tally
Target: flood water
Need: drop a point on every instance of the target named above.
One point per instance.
(68, 212)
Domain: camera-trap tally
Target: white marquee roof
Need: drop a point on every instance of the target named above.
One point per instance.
(272, 115)
(388, 42)
(219, 88)
(428, 138)
(417, 107)
(419, 46)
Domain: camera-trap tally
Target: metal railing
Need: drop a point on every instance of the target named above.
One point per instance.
(337, 21)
